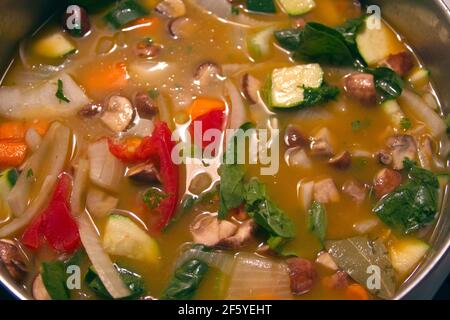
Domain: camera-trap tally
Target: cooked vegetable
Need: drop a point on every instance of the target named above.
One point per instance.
(55, 224)
(118, 113)
(105, 170)
(132, 280)
(159, 145)
(388, 84)
(375, 44)
(99, 203)
(356, 255)
(413, 204)
(60, 93)
(299, 86)
(54, 149)
(317, 220)
(401, 62)
(104, 78)
(103, 265)
(406, 253)
(138, 245)
(185, 281)
(392, 109)
(54, 46)
(265, 212)
(40, 101)
(256, 277)
(39, 291)
(259, 44)
(125, 12)
(361, 86)
(266, 6)
(419, 77)
(54, 277)
(79, 185)
(297, 7)
(12, 153)
(302, 274)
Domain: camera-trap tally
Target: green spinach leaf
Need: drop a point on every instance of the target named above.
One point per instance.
(132, 280)
(317, 220)
(54, 277)
(323, 44)
(289, 39)
(389, 84)
(185, 281)
(265, 212)
(314, 96)
(413, 204)
(266, 6)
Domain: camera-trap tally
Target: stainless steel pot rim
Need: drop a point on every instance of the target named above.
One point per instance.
(19, 292)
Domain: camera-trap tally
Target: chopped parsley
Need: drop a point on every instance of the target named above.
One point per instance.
(405, 123)
(358, 125)
(235, 10)
(59, 92)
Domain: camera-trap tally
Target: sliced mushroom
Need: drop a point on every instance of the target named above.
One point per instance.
(200, 183)
(325, 259)
(250, 88)
(39, 291)
(342, 161)
(401, 62)
(384, 157)
(91, 110)
(361, 87)
(298, 158)
(402, 147)
(145, 106)
(320, 144)
(209, 230)
(206, 73)
(147, 49)
(293, 137)
(325, 191)
(118, 114)
(355, 189)
(145, 173)
(302, 274)
(386, 181)
(12, 258)
(171, 8)
(180, 27)
(241, 237)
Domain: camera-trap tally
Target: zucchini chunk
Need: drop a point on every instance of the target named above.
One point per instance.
(392, 109)
(259, 44)
(297, 7)
(288, 84)
(122, 237)
(405, 254)
(54, 46)
(376, 44)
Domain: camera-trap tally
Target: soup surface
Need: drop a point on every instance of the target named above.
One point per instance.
(200, 149)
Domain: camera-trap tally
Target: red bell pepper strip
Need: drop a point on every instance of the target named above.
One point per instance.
(211, 120)
(55, 224)
(156, 148)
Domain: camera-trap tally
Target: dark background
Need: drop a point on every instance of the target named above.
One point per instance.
(443, 293)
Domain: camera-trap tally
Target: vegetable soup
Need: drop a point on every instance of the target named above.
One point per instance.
(218, 149)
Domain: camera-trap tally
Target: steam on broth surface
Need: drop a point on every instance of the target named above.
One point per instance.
(354, 136)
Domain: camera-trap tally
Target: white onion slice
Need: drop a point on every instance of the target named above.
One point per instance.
(33, 139)
(222, 9)
(255, 277)
(99, 204)
(105, 169)
(238, 114)
(32, 210)
(100, 260)
(415, 104)
(79, 185)
(53, 149)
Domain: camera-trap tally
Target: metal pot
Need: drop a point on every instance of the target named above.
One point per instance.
(424, 23)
